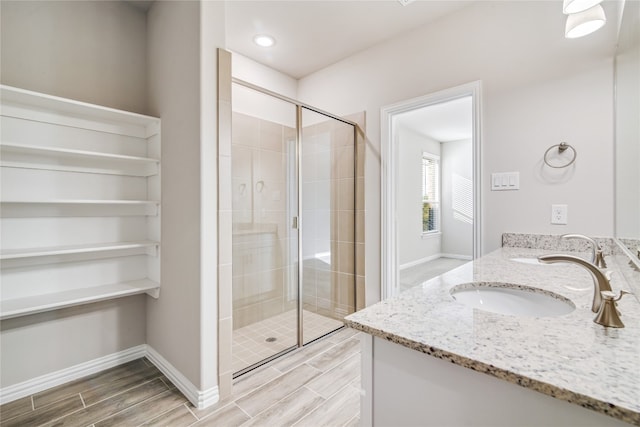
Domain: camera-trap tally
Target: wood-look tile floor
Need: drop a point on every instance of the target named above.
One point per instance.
(318, 385)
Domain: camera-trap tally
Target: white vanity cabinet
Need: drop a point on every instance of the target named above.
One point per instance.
(429, 359)
(404, 387)
(79, 203)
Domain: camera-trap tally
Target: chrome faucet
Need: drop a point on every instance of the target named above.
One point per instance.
(597, 256)
(600, 280)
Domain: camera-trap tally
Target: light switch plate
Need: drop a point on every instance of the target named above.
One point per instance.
(503, 181)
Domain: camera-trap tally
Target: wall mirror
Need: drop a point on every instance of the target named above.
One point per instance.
(627, 130)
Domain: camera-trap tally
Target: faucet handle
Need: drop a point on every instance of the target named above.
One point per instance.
(609, 295)
(608, 314)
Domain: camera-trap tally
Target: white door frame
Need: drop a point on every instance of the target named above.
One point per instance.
(389, 264)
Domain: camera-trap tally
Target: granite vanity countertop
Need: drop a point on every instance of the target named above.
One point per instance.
(568, 357)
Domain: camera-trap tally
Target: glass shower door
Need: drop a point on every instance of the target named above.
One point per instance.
(328, 223)
(293, 216)
(265, 244)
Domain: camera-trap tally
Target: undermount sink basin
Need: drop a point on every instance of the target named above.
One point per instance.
(514, 300)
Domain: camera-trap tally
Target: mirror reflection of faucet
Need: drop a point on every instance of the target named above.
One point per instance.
(600, 279)
(597, 254)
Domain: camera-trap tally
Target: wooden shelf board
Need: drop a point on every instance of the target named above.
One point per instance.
(47, 302)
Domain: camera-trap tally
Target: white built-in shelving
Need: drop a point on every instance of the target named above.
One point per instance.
(11, 258)
(79, 203)
(48, 208)
(57, 300)
(58, 159)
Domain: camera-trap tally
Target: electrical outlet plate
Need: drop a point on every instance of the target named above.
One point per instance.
(559, 214)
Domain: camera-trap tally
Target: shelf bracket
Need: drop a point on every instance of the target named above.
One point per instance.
(155, 293)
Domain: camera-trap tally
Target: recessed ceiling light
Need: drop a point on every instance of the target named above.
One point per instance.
(264, 40)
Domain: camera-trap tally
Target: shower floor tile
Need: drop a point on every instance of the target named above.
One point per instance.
(258, 341)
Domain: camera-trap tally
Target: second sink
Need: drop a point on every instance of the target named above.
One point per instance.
(509, 299)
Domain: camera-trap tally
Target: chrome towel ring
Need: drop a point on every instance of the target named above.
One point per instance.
(562, 147)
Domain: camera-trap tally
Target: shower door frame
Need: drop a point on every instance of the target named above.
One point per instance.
(296, 221)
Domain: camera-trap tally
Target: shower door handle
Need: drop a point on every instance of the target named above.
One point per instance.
(294, 223)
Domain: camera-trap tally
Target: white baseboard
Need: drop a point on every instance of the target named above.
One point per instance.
(199, 398)
(457, 256)
(434, 257)
(419, 261)
(44, 382)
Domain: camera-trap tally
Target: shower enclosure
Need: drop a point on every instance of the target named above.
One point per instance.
(293, 190)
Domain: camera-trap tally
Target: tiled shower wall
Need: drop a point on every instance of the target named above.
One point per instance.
(261, 232)
(328, 218)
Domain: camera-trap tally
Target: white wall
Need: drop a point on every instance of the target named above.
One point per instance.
(251, 71)
(97, 52)
(85, 50)
(550, 112)
(412, 246)
(257, 104)
(173, 320)
(182, 323)
(628, 124)
(43, 343)
(538, 89)
(93, 52)
(212, 36)
(456, 164)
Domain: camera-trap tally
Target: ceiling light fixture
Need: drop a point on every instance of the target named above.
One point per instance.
(575, 6)
(585, 22)
(264, 40)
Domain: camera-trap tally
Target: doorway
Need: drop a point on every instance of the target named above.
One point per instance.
(431, 186)
(293, 224)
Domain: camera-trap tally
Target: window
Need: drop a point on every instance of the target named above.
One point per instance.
(430, 193)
